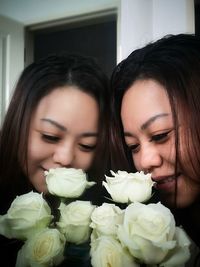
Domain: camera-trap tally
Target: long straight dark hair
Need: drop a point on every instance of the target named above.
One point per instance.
(35, 82)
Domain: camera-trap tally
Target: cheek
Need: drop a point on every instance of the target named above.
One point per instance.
(34, 151)
(86, 160)
(169, 152)
(29, 166)
(136, 161)
(37, 150)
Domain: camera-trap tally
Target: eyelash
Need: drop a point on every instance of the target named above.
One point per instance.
(87, 148)
(133, 148)
(158, 138)
(50, 138)
(54, 139)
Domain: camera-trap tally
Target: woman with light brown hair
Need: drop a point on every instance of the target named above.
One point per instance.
(156, 122)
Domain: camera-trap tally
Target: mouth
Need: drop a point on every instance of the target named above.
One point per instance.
(166, 183)
(43, 169)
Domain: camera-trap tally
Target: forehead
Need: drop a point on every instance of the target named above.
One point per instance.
(66, 105)
(144, 99)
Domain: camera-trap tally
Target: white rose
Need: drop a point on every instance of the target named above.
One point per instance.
(27, 214)
(127, 187)
(67, 182)
(43, 249)
(181, 253)
(106, 218)
(107, 251)
(148, 231)
(75, 220)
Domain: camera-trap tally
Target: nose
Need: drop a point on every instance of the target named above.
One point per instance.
(149, 158)
(64, 155)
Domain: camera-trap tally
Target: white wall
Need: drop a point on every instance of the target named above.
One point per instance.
(11, 58)
(172, 16)
(37, 11)
(139, 21)
(142, 21)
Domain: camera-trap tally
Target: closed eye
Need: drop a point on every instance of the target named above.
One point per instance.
(133, 148)
(87, 148)
(160, 137)
(50, 138)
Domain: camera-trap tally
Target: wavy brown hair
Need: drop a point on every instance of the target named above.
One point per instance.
(174, 62)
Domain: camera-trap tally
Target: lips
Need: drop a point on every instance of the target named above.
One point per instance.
(166, 183)
(43, 168)
(166, 180)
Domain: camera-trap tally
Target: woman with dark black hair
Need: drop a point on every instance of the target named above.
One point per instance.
(156, 122)
(57, 117)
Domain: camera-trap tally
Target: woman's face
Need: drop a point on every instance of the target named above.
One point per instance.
(149, 133)
(63, 133)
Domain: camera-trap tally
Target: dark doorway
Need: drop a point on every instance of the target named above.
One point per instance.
(93, 37)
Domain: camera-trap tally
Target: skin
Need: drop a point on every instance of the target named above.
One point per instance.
(63, 133)
(149, 133)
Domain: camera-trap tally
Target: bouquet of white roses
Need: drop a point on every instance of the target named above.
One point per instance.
(30, 219)
(138, 234)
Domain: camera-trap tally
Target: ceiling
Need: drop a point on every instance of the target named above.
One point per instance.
(29, 12)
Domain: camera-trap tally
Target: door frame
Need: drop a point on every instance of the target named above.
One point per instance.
(65, 23)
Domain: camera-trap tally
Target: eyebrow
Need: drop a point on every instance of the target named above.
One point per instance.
(63, 128)
(152, 119)
(54, 123)
(148, 122)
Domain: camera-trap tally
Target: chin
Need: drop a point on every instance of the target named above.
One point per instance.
(44, 190)
(41, 189)
(176, 203)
